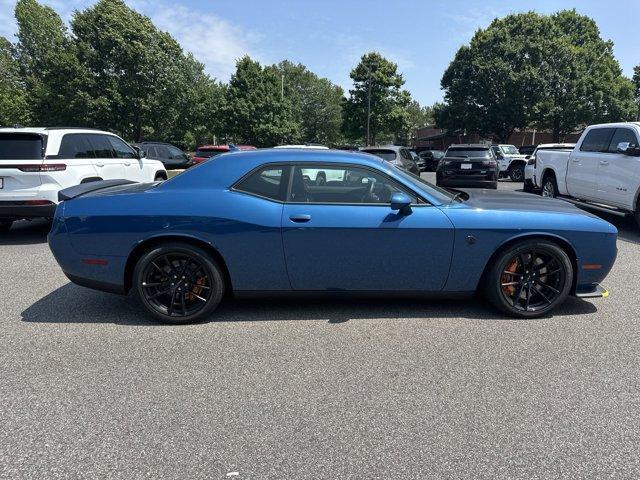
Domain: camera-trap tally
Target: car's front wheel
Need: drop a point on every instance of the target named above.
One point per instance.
(178, 283)
(529, 279)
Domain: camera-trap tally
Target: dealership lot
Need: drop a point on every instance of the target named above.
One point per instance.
(314, 389)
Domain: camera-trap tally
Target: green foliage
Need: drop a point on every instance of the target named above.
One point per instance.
(256, 110)
(389, 116)
(13, 96)
(553, 72)
(316, 104)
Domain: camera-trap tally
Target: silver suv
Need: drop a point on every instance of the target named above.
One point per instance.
(398, 156)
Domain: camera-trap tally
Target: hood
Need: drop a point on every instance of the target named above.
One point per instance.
(501, 200)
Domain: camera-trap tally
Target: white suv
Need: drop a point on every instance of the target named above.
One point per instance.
(36, 163)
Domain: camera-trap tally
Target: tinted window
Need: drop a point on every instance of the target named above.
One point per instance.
(437, 154)
(597, 140)
(20, 146)
(162, 151)
(121, 149)
(387, 155)
(175, 152)
(469, 152)
(208, 153)
(150, 150)
(344, 185)
(622, 135)
(268, 182)
(76, 145)
(101, 147)
(405, 154)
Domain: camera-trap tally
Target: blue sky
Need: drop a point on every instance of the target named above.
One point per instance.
(329, 36)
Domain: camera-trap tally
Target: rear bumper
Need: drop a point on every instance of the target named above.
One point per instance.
(592, 291)
(462, 181)
(20, 210)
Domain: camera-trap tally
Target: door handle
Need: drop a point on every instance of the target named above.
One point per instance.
(100, 164)
(575, 160)
(604, 162)
(127, 164)
(300, 218)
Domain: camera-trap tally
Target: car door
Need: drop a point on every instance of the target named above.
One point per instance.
(617, 172)
(108, 166)
(343, 235)
(582, 170)
(133, 166)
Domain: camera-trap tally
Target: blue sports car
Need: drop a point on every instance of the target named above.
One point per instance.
(330, 222)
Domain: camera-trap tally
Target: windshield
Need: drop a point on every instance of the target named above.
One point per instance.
(440, 194)
(20, 146)
(509, 150)
(437, 154)
(468, 152)
(387, 155)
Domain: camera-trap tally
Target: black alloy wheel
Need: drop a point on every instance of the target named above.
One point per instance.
(516, 173)
(530, 279)
(179, 283)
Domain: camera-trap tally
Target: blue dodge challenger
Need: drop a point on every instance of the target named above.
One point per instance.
(324, 222)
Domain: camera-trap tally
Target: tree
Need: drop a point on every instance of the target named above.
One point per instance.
(377, 78)
(636, 87)
(554, 72)
(316, 103)
(48, 64)
(417, 116)
(256, 111)
(14, 107)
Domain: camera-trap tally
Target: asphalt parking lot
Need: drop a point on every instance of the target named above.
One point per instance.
(89, 387)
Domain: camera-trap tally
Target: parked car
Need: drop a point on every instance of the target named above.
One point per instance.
(431, 159)
(205, 152)
(171, 156)
(530, 184)
(398, 156)
(36, 163)
(311, 146)
(417, 160)
(527, 150)
(468, 165)
(511, 162)
(601, 173)
(256, 227)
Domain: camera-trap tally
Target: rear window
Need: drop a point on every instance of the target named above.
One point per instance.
(468, 152)
(387, 155)
(20, 146)
(208, 153)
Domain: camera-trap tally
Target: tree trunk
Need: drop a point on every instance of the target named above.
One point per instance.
(556, 131)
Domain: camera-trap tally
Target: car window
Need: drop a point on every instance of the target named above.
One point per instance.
(20, 146)
(622, 135)
(268, 182)
(384, 154)
(76, 145)
(469, 152)
(150, 151)
(597, 140)
(342, 185)
(438, 154)
(175, 152)
(405, 154)
(100, 146)
(509, 149)
(121, 149)
(208, 153)
(162, 152)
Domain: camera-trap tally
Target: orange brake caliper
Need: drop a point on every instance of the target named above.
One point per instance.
(509, 289)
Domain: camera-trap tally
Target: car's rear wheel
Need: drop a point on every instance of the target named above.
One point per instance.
(529, 279)
(549, 187)
(179, 283)
(5, 226)
(516, 173)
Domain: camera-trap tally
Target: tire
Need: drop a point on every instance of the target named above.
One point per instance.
(159, 178)
(529, 279)
(202, 280)
(549, 187)
(5, 226)
(528, 188)
(516, 173)
(637, 215)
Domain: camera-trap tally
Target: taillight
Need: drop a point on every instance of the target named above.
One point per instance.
(532, 161)
(46, 167)
(38, 202)
(489, 163)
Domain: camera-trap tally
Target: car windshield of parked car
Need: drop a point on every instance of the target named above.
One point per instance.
(468, 152)
(440, 194)
(20, 146)
(384, 154)
(208, 153)
(437, 153)
(509, 150)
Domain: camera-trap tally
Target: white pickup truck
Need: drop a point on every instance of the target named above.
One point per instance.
(602, 172)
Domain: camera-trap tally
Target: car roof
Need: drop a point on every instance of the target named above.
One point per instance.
(46, 130)
(394, 148)
(462, 146)
(556, 145)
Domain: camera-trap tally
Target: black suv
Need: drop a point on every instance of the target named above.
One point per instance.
(468, 165)
(172, 157)
(431, 159)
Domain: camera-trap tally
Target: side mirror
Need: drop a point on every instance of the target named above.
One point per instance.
(400, 201)
(627, 148)
(140, 153)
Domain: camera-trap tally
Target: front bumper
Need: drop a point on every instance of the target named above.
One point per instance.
(21, 210)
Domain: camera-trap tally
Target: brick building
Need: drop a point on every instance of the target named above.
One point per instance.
(430, 137)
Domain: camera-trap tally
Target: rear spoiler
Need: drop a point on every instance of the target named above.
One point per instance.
(84, 188)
